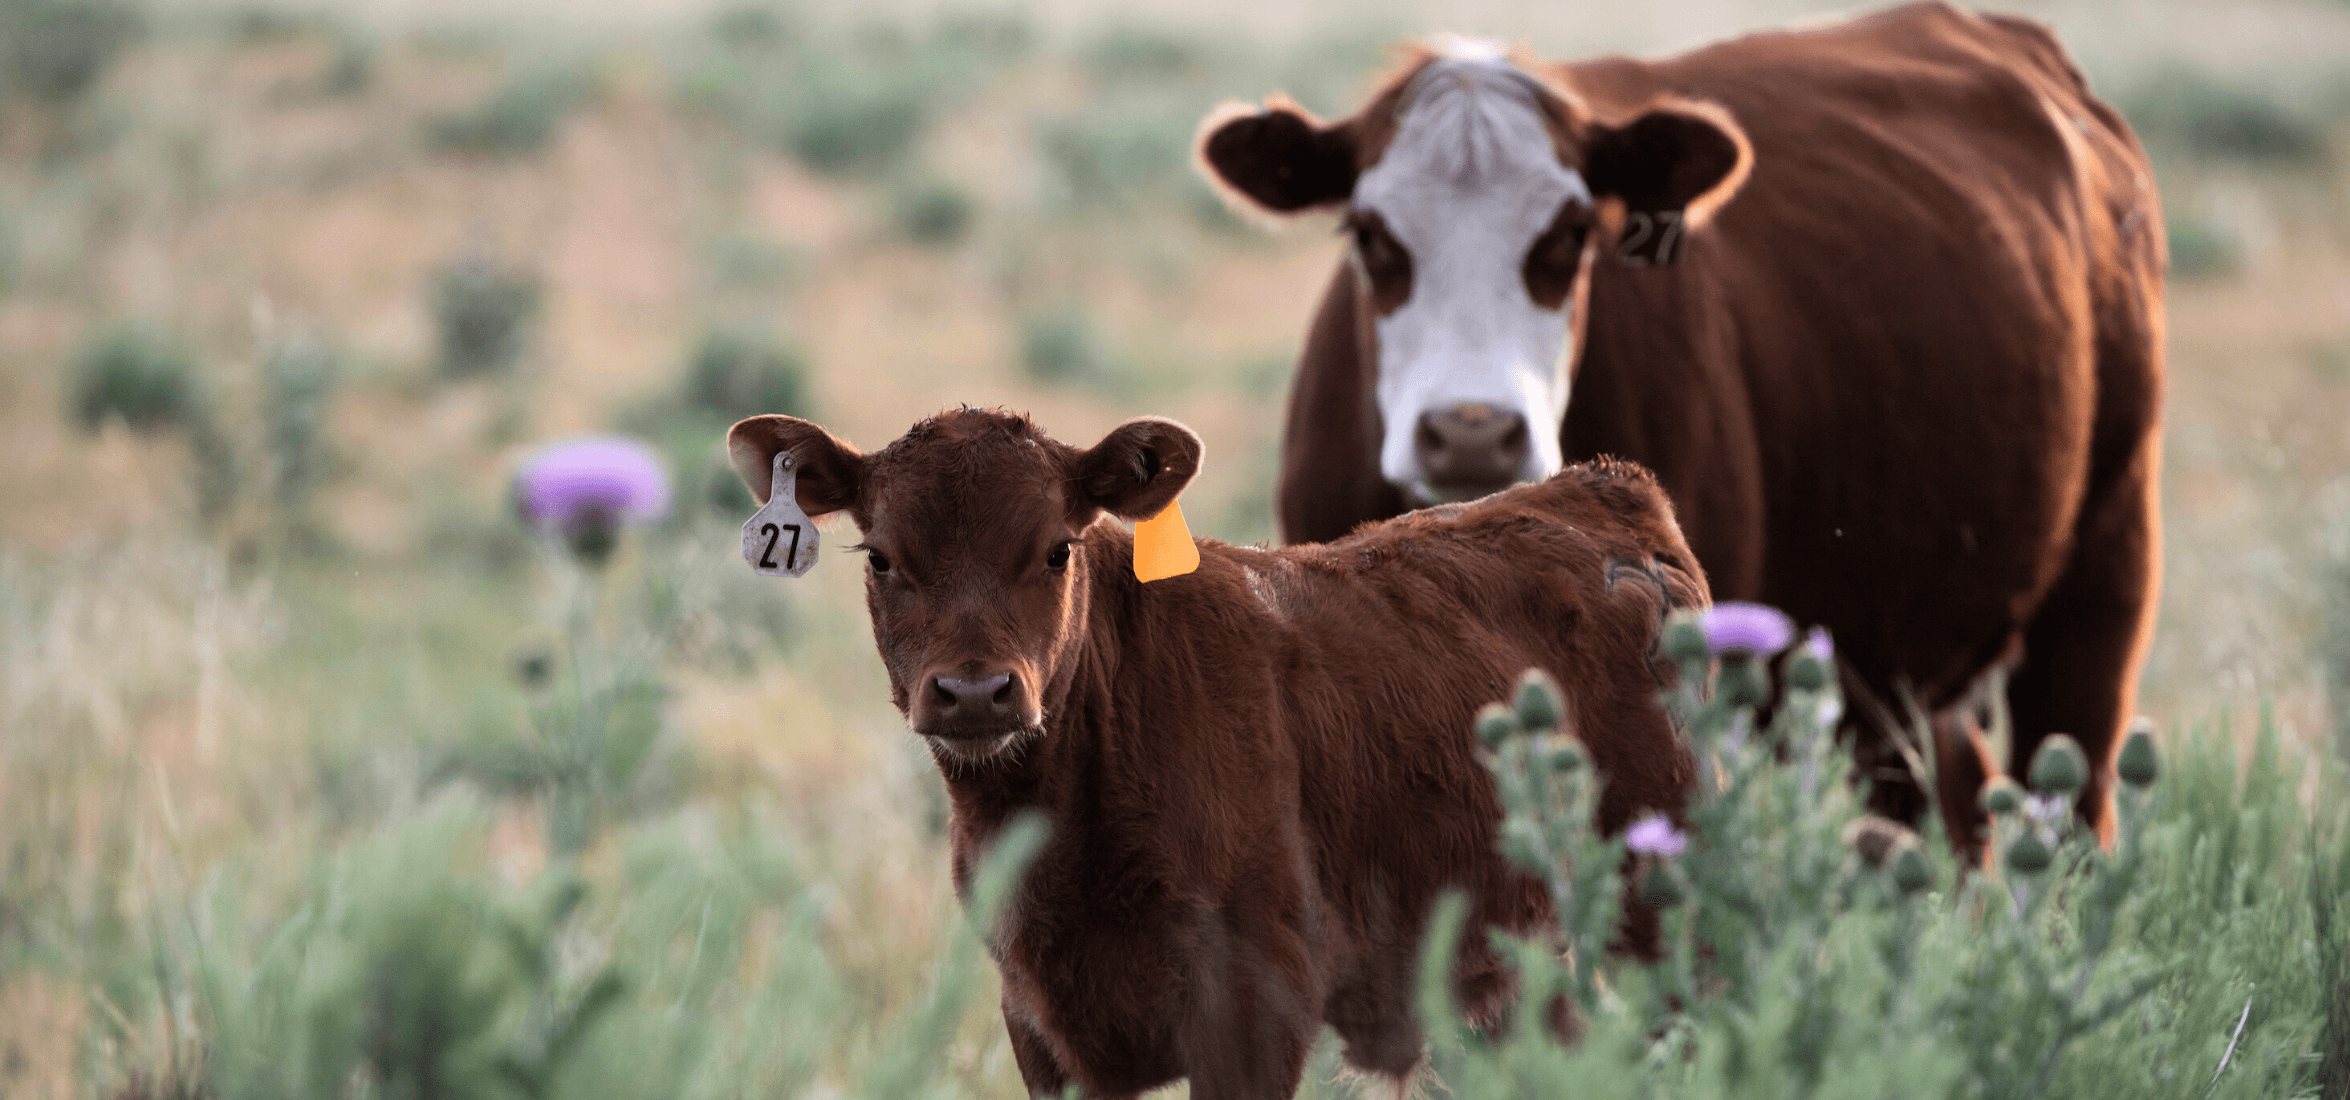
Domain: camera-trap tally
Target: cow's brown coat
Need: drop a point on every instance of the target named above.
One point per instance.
(1906, 383)
(1258, 776)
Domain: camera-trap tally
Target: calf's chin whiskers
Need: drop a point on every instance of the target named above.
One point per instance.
(964, 756)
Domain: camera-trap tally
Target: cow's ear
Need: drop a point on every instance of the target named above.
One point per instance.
(1279, 158)
(1136, 471)
(829, 470)
(1684, 156)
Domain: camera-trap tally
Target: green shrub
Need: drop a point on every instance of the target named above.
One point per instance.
(1798, 963)
(2200, 248)
(484, 314)
(2185, 107)
(515, 119)
(932, 212)
(1140, 54)
(843, 116)
(1060, 346)
(146, 380)
(1119, 154)
(737, 373)
(55, 50)
(756, 25)
(297, 383)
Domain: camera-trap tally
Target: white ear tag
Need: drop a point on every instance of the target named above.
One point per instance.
(779, 540)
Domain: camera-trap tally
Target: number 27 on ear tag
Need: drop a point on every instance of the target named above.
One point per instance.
(779, 540)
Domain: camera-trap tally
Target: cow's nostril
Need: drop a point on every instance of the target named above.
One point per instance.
(1429, 440)
(1004, 693)
(939, 693)
(1514, 441)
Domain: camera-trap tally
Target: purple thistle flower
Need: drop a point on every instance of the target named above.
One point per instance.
(1746, 628)
(584, 489)
(1817, 643)
(1655, 836)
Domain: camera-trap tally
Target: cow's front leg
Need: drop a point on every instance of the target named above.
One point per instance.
(1039, 1070)
(1253, 1016)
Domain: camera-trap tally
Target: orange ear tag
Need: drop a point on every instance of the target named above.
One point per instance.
(1163, 546)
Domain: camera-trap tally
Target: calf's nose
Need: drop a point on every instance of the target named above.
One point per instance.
(951, 693)
(1472, 448)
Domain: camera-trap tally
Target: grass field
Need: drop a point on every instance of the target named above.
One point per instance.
(287, 293)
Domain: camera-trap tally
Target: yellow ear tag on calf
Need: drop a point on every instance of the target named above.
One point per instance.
(1163, 546)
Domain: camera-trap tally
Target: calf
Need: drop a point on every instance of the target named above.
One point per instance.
(1260, 775)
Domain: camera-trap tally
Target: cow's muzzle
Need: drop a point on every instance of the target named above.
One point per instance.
(975, 708)
(1469, 450)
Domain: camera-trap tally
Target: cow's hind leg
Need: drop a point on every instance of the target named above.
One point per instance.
(2084, 644)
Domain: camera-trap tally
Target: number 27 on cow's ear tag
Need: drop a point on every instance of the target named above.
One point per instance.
(779, 540)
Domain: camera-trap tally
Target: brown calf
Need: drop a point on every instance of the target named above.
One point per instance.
(1259, 776)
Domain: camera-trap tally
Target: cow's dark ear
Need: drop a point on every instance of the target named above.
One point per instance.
(1686, 157)
(1136, 471)
(830, 470)
(1280, 158)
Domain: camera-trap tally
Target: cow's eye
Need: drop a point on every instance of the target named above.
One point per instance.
(1556, 257)
(1384, 258)
(878, 560)
(1057, 558)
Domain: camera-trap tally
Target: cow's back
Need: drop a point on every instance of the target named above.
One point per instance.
(1882, 359)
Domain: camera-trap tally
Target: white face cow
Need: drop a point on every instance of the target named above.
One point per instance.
(1470, 190)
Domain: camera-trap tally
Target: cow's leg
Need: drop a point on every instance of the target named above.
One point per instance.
(1962, 764)
(1039, 1070)
(2085, 642)
(1251, 1026)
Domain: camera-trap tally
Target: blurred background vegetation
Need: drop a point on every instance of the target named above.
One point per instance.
(287, 290)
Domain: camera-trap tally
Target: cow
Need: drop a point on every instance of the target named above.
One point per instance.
(1258, 777)
(1878, 301)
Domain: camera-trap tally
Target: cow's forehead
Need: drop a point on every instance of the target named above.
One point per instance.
(968, 475)
(1468, 127)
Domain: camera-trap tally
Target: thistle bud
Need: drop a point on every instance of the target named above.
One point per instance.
(2137, 765)
(1538, 701)
(1910, 872)
(1495, 724)
(1521, 844)
(2029, 854)
(1806, 673)
(1742, 683)
(1663, 888)
(2002, 797)
(1568, 757)
(2059, 767)
(1685, 640)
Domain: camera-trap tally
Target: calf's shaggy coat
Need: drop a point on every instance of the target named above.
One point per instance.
(1258, 776)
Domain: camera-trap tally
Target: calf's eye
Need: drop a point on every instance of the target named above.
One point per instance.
(1057, 557)
(877, 560)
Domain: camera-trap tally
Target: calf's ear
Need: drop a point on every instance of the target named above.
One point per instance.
(1680, 156)
(1137, 470)
(829, 469)
(1279, 158)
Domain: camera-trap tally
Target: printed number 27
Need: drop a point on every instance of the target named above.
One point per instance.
(1650, 238)
(773, 533)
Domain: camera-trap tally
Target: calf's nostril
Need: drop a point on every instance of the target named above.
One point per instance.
(939, 693)
(1004, 693)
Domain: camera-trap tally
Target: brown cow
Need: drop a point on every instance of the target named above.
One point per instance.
(1879, 301)
(1258, 776)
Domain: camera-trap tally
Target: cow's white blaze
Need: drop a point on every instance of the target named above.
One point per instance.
(1466, 186)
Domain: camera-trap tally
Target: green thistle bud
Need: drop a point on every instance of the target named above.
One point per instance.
(1685, 639)
(1568, 757)
(1910, 871)
(1742, 683)
(2137, 765)
(1538, 701)
(2029, 854)
(2059, 767)
(2002, 797)
(1664, 887)
(1521, 843)
(1806, 673)
(1495, 724)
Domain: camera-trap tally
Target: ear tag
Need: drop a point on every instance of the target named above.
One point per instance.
(1163, 546)
(779, 540)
